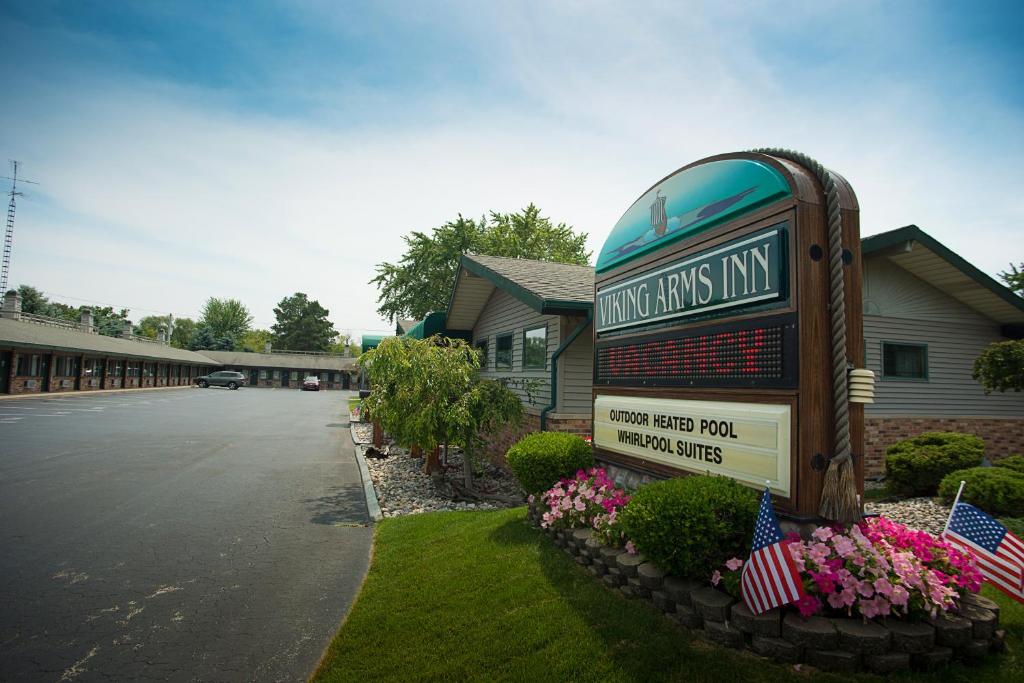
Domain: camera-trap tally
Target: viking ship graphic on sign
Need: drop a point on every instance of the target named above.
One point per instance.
(688, 202)
(659, 219)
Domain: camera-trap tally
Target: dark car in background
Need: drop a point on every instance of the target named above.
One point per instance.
(311, 383)
(222, 378)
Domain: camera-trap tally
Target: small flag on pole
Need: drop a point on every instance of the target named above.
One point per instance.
(999, 554)
(770, 577)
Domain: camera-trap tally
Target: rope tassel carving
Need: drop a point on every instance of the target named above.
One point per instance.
(839, 500)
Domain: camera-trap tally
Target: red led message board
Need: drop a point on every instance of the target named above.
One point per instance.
(763, 354)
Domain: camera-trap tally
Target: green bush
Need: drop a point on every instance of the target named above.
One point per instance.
(996, 490)
(1013, 462)
(540, 459)
(691, 525)
(915, 466)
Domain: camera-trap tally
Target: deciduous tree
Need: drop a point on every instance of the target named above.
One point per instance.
(255, 341)
(421, 280)
(225, 317)
(181, 335)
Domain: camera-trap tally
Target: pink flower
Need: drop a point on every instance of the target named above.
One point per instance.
(843, 546)
(900, 596)
(807, 605)
(716, 576)
(529, 499)
(883, 587)
(822, 533)
(580, 505)
(734, 564)
(866, 589)
(630, 548)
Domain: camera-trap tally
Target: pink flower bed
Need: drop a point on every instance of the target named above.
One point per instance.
(588, 500)
(876, 568)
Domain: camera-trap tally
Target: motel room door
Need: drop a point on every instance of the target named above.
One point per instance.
(44, 370)
(5, 371)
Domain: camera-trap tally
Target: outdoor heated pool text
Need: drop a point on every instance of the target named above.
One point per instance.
(743, 271)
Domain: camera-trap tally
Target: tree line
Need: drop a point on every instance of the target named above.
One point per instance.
(223, 324)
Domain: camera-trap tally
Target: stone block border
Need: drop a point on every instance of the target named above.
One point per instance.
(838, 645)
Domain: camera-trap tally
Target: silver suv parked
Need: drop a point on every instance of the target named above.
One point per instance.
(222, 378)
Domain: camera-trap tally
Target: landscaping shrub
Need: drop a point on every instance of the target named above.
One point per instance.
(996, 490)
(915, 466)
(691, 525)
(1014, 462)
(540, 459)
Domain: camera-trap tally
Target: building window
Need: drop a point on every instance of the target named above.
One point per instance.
(904, 361)
(277, 374)
(263, 374)
(503, 351)
(92, 368)
(28, 365)
(294, 375)
(535, 348)
(114, 368)
(482, 347)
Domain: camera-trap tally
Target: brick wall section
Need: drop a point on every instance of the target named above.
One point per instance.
(499, 442)
(1002, 436)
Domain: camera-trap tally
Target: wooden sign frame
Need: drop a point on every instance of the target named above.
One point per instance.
(806, 306)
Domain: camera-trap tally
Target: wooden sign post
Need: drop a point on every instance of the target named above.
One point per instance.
(712, 329)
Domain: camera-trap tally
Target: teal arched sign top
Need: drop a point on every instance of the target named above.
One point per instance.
(689, 202)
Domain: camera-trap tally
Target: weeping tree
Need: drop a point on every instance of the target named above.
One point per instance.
(428, 392)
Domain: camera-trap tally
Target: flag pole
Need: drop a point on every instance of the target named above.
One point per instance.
(955, 501)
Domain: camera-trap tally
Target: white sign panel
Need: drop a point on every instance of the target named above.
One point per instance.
(749, 442)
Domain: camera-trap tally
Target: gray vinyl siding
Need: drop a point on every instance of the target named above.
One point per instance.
(899, 307)
(576, 370)
(503, 314)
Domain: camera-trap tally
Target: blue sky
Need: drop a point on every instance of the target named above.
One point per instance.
(254, 149)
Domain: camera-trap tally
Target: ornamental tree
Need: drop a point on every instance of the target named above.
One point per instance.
(428, 392)
(1001, 366)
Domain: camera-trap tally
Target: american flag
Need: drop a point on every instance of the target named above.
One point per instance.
(999, 554)
(770, 577)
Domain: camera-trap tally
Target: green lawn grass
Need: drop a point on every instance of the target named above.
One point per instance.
(482, 596)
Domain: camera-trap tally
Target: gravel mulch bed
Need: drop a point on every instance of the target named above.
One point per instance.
(403, 489)
(917, 513)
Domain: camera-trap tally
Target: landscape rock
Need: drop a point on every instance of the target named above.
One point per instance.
(887, 662)
(778, 649)
(713, 605)
(628, 564)
(953, 631)
(814, 632)
(680, 589)
(686, 616)
(933, 659)
(650, 575)
(984, 621)
(911, 636)
(767, 624)
(403, 489)
(862, 637)
(662, 601)
(721, 633)
(838, 661)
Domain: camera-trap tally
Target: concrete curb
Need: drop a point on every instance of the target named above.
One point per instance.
(372, 504)
(88, 392)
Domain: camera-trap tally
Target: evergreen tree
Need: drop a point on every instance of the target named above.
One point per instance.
(302, 325)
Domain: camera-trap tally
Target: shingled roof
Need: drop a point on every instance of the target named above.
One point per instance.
(546, 287)
(45, 337)
(295, 361)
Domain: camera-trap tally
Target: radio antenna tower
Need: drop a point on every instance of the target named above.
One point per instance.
(9, 236)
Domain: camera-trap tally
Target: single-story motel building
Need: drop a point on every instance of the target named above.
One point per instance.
(928, 314)
(45, 355)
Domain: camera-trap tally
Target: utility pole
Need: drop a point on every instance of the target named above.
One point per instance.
(9, 236)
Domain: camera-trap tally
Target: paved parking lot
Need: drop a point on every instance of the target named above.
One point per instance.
(177, 534)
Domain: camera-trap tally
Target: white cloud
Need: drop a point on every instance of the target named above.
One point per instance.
(204, 199)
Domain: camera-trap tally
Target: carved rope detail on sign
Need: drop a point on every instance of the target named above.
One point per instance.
(744, 271)
(748, 442)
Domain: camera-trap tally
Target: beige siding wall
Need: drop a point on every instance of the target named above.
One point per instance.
(899, 307)
(576, 369)
(503, 314)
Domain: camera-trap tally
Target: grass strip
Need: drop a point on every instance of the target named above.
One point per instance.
(482, 596)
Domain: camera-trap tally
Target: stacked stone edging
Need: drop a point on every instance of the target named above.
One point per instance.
(831, 644)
